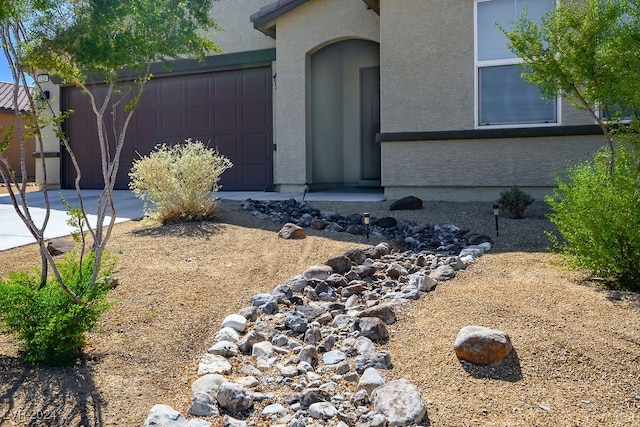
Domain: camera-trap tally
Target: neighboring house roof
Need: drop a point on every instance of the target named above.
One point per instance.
(264, 19)
(6, 97)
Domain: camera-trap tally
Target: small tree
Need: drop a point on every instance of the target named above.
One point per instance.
(88, 44)
(588, 51)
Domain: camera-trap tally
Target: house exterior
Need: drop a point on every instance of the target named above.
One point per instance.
(8, 119)
(421, 97)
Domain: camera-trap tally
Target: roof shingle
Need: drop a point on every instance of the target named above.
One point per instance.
(6, 97)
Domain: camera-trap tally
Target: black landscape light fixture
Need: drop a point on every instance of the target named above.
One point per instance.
(496, 213)
(367, 221)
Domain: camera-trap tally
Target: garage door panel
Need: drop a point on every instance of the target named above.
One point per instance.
(255, 84)
(172, 91)
(199, 116)
(198, 88)
(254, 114)
(226, 116)
(228, 110)
(146, 118)
(227, 145)
(226, 86)
(254, 175)
(255, 145)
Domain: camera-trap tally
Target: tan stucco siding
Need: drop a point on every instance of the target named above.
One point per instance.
(238, 34)
(426, 61)
(300, 33)
(428, 70)
(458, 170)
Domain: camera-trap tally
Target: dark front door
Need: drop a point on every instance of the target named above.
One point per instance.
(227, 110)
(370, 120)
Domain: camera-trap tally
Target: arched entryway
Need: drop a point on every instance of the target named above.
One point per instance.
(343, 97)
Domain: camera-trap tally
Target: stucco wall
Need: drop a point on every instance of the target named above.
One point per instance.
(238, 34)
(301, 32)
(426, 65)
(458, 170)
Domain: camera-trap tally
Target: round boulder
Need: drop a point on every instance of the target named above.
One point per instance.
(482, 346)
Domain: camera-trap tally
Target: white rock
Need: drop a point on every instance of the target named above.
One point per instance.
(213, 364)
(249, 381)
(400, 402)
(370, 380)
(235, 321)
(165, 416)
(274, 409)
(208, 383)
(227, 334)
(262, 350)
(224, 349)
(322, 411)
(333, 357)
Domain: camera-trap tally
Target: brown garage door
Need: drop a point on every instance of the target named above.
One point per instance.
(228, 110)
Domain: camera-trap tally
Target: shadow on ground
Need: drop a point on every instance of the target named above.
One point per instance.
(508, 370)
(185, 229)
(48, 396)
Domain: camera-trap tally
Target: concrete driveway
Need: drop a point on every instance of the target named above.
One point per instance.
(14, 233)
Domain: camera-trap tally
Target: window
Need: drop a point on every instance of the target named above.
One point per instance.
(503, 98)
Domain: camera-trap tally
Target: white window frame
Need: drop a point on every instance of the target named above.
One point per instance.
(498, 62)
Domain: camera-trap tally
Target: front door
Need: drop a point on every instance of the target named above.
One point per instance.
(370, 122)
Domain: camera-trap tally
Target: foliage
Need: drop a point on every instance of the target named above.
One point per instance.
(597, 213)
(588, 51)
(48, 324)
(515, 201)
(177, 181)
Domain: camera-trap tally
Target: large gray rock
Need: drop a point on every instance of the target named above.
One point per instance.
(340, 264)
(384, 312)
(378, 360)
(165, 416)
(372, 328)
(296, 321)
(318, 272)
(234, 397)
(400, 403)
(266, 302)
(443, 273)
(203, 405)
(406, 203)
(482, 346)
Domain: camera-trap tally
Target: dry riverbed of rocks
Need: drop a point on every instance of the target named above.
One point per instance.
(310, 352)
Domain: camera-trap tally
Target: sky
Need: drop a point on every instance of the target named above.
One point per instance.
(5, 73)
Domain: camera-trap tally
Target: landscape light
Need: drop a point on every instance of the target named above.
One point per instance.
(367, 221)
(496, 213)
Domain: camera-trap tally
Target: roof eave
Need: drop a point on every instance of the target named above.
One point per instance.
(374, 5)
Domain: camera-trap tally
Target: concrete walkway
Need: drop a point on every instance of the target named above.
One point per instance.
(14, 233)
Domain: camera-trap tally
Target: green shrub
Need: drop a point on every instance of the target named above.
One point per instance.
(177, 180)
(515, 201)
(47, 323)
(597, 212)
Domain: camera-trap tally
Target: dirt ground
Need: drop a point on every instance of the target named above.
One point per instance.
(576, 359)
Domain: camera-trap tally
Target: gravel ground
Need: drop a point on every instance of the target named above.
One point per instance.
(576, 359)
